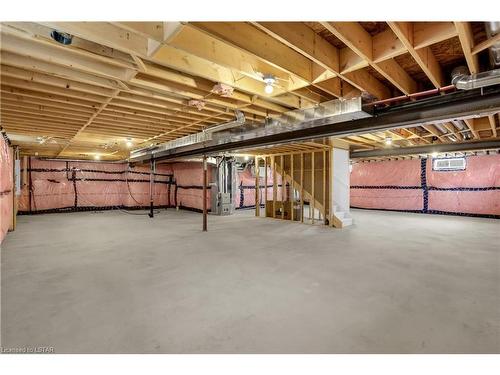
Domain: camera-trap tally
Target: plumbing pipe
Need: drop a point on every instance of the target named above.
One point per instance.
(412, 96)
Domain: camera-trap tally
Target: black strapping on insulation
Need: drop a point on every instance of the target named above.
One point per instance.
(67, 169)
(423, 182)
(426, 188)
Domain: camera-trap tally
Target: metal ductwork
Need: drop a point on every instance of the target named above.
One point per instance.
(463, 81)
(492, 29)
(240, 120)
(188, 140)
(333, 111)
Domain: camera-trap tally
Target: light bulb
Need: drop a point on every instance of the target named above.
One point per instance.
(269, 89)
(97, 157)
(129, 143)
(247, 158)
(388, 141)
(434, 154)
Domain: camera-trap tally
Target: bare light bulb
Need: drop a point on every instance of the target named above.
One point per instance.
(434, 154)
(129, 143)
(269, 80)
(97, 157)
(247, 158)
(388, 141)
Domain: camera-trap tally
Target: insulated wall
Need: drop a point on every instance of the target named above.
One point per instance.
(6, 188)
(55, 186)
(245, 182)
(412, 185)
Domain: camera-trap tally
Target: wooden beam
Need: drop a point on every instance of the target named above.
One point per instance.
(428, 33)
(252, 40)
(386, 45)
(361, 42)
(423, 56)
(106, 34)
(467, 41)
(486, 44)
(491, 119)
(470, 124)
(101, 108)
(49, 52)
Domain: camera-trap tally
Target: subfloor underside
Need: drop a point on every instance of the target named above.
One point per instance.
(112, 282)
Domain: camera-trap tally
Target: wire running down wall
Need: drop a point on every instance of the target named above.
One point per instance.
(412, 186)
(59, 186)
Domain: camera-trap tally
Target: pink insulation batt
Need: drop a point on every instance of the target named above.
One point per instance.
(481, 172)
(6, 188)
(246, 179)
(53, 188)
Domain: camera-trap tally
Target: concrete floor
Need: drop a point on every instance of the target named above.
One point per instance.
(116, 283)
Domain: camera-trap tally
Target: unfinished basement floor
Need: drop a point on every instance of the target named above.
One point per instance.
(111, 282)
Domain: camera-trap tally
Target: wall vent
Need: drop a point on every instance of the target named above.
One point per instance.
(448, 164)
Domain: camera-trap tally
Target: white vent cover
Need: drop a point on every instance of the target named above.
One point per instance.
(448, 164)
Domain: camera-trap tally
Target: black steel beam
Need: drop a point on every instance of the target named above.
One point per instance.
(428, 149)
(441, 108)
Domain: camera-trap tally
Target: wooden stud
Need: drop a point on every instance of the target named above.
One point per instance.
(301, 187)
(265, 185)
(330, 186)
(275, 190)
(324, 186)
(292, 200)
(283, 183)
(257, 187)
(313, 197)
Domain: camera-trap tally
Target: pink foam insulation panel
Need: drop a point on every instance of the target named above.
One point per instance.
(412, 185)
(6, 188)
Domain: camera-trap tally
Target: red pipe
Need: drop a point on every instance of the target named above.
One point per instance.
(414, 95)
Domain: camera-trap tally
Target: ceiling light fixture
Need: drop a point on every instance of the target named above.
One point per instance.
(269, 79)
(97, 156)
(434, 154)
(129, 142)
(388, 141)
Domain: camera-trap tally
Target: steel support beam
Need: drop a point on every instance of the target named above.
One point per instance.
(437, 109)
(427, 149)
